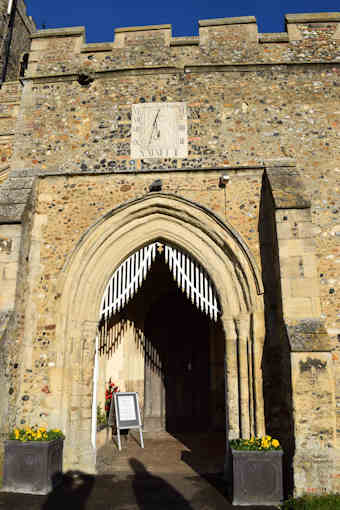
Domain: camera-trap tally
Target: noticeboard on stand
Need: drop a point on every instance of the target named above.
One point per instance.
(126, 408)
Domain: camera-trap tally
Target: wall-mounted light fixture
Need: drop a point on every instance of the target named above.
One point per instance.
(156, 185)
(223, 180)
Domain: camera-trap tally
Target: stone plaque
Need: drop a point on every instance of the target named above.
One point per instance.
(159, 130)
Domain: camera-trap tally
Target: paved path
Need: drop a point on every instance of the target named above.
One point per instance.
(143, 491)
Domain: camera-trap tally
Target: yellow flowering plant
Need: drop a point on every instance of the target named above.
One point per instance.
(264, 443)
(35, 433)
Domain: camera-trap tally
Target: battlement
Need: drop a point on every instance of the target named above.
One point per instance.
(310, 38)
(299, 27)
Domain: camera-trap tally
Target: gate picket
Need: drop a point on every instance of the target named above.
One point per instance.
(190, 277)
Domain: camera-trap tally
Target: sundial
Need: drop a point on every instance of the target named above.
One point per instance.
(159, 130)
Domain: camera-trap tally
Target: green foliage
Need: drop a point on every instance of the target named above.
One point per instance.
(255, 444)
(35, 433)
(101, 418)
(308, 502)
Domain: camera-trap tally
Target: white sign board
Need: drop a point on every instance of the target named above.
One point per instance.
(127, 413)
(126, 408)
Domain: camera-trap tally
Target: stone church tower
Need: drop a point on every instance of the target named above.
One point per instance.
(15, 37)
(169, 219)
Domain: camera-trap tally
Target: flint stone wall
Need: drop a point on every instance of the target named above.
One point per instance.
(263, 109)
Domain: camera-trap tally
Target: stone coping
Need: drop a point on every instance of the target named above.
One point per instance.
(226, 21)
(59, 32)
(274, 37)
(94, 47)
(261, 165)
(314, 17)
(108, 46)
(142, 28)
(221, 170)
(322, 17)
(51, 78)
(254, 67)
(203, 68)
(185, 41)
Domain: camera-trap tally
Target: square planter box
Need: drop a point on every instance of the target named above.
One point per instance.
(257, 477)
(32, 467)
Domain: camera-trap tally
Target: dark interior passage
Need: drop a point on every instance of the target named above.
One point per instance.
(177, 357)
(178, 337)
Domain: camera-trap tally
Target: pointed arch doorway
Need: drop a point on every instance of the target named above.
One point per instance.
(219, 249)
(160, 335)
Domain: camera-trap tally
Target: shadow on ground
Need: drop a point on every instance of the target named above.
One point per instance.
(74, 492)
(141, 490)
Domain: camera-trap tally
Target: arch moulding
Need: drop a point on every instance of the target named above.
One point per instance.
(213, 243)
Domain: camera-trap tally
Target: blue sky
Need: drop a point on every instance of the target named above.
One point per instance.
(101, 17)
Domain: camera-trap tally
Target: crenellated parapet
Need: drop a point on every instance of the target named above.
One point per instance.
(316, 26)
(310, 38)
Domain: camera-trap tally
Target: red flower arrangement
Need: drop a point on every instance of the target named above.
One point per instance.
(110, 390)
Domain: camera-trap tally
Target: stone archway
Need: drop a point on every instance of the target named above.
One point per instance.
(224, 256)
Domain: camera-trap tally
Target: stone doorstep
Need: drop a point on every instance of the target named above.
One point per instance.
(164, 453)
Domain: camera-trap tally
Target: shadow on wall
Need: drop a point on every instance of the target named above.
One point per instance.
(111, 333)
(132, 315)
(277, 390)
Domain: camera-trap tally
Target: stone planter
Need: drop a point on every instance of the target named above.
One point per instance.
(257, 477)
(32, 467)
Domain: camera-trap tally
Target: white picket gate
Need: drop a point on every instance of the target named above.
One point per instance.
(189, 275)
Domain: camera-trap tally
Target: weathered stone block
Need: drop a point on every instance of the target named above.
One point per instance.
(291, 247)
(303, 287)
(292, 267)
(308, 335)
(309, 265)
(297, 307)
(284, 231)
